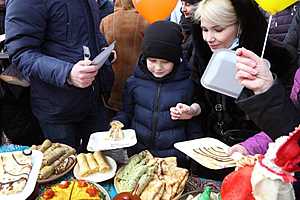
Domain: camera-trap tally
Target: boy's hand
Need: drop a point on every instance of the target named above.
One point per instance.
(184, 112)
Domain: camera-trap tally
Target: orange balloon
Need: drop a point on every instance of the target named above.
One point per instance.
(154, 10)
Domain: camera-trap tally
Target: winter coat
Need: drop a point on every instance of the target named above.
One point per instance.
(293, 36)
(281, 22)
(221, 117)
(273, 111)
(146, 109)
(125, 26)
(106, 7)
(187, 44)
(45, 43)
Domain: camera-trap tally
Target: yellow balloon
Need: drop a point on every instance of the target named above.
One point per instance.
(274, 6)
(153, 10)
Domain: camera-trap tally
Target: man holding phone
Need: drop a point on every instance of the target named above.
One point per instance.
(46, 45)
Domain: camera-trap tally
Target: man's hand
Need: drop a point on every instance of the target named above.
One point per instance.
(82, 74)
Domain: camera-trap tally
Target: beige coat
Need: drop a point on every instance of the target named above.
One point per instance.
(126, 27)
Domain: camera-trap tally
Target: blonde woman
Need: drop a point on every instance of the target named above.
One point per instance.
(230, 24)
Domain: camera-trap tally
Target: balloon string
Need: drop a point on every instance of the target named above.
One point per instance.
(266, 37)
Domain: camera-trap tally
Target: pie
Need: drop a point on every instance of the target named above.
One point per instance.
(74, 189)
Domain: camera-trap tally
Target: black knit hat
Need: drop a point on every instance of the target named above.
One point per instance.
(191, 1)
(163, 39)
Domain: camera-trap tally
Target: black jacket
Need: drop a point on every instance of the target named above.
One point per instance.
(293, 36)
(273, 111)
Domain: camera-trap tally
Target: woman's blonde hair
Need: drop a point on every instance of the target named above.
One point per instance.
(218, 12)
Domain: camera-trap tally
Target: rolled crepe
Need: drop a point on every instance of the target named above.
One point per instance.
(92, 163)
(46, 172)
(53, 156)
(84, 168)
(153, 190)
(102, 162)
(46, 144)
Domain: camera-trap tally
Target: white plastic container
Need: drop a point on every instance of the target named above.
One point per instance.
(219, 74)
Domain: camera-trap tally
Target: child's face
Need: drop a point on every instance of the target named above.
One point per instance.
(159, 67)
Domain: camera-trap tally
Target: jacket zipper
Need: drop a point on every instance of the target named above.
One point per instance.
(155, 115)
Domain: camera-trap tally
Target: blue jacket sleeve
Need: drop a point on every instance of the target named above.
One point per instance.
(26, 24)
(125, 116)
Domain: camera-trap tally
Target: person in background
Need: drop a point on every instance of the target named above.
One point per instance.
(106, 7)
(188, 8)
(281, 22)
(160, 81)
(292, 38)
(266, 100)
(176, 13)
(125, 26)
(46, 45)
(17, 122)
(230, 24)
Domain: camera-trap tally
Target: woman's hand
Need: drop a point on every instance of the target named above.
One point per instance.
(238, 148)
(183, 111)
(252, 71)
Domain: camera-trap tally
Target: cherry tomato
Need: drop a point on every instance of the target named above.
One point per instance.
(48, 194)
(92, 191)
(64, 184)
(82, 183)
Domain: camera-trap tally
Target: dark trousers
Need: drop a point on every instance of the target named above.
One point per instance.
(16, 119)
(77, 134)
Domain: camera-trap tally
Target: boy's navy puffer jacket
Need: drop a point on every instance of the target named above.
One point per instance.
(146, 108)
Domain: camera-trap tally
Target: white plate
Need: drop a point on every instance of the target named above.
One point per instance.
(219, 74)
(98, 141)
(98, 177)
(102, 190)
(37, 158)
(188, 147)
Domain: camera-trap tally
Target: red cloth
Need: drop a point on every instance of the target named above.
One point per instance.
(288, 155)
(237, 185)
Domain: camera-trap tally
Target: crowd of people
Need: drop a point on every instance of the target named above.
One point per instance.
(152, 84)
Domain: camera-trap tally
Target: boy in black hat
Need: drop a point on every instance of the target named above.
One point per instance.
(160, 81)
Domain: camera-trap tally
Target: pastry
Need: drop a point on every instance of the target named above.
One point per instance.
(115, 132)
(94, 167)
(84, 168)
(152, 178)
(57, 158)
(15, 168)
(46, 144)
(101, 161)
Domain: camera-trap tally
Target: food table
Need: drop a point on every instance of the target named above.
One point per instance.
(107, 185)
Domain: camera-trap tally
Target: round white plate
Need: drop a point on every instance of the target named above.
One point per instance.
(37, 158)
(98, 177)
(107, 197)
(98, 141)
